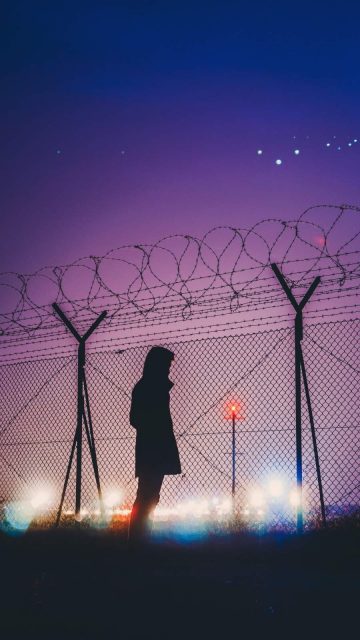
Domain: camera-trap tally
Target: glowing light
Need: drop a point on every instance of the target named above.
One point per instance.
(18, 515)
(162, 513)
(122, 512)
(112, 498)
(276, 488)
(319, 241)
(225, 507)
(328, 144)
(257, 498)
(41, 499)
(339, 148)
(233, 409)
(297, 151)
(294, 498)
(355, 140)
(349, 144)
(278, 161)
(259, 152)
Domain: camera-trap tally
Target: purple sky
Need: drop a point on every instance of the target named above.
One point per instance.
(126, 121)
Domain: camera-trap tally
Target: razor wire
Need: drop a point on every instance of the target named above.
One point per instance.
(182, 277)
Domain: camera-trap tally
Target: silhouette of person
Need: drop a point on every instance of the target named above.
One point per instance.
(156, 452)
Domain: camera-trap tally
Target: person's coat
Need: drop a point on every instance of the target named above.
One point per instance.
(156, 449)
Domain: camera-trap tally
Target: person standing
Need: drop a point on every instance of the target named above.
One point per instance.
(156, 452)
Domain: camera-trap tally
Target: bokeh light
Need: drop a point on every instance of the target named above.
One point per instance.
(113, 498)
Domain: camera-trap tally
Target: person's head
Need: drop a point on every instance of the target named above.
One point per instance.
(157, 362)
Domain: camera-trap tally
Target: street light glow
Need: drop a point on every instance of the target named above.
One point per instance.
(112, 498)
(41, 498)
(276, 488)
(294, 498)
(257, 498)
(234, 409)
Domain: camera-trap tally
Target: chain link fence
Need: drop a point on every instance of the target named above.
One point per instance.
(38, 421)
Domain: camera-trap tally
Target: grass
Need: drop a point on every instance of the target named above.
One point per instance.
(84, 583)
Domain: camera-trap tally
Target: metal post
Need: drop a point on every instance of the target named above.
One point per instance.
(233, 460)
(298, 306)
(91, 440)
(313, 435)
(80, 413)
(66, 481)
(299, 472)
(82, 394)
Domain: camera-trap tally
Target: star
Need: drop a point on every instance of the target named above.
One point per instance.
(296, 151)
(259, 152)
(278, 161)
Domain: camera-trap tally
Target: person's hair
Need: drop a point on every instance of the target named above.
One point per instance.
(157, 361)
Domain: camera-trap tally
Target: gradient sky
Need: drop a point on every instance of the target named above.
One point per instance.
(126, 121)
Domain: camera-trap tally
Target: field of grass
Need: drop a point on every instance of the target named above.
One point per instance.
(83, 583)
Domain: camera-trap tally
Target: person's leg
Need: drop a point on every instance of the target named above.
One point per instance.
(147, 497)
(154, 495)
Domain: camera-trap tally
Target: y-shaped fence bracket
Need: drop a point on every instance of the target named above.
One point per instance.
(300, 371)
(83, 419)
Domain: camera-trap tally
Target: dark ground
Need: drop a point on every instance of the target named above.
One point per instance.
(86, 584)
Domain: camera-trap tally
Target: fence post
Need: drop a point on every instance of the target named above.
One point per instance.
(80, 418)
(233, 485)
(298, 306)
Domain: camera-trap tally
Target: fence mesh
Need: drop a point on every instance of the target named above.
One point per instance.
(38, 419)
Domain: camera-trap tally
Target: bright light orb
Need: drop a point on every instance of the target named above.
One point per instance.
(339, 148)
(112, 498)
(278, 162)
(259, 152)
(18, 515)
(41, 499)
(294, 498)
(297, 151)
(355, 140)
(257, 498)
(349, 144)
(276, 488)
(328, 144)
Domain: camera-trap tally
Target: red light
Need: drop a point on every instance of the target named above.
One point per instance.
(234, 410)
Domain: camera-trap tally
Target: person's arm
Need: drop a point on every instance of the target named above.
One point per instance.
(135, 410)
